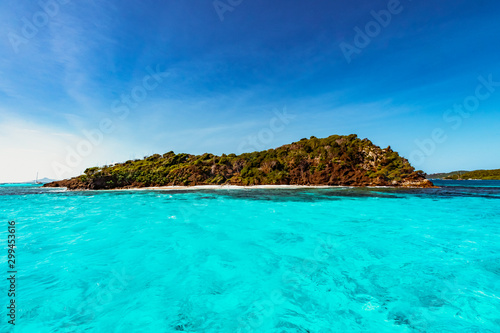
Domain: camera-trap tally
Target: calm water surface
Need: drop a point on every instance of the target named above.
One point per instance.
(308, 260)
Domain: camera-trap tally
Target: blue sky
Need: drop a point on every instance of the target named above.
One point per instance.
(222, 83)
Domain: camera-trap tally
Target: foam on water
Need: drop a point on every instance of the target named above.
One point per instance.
(260, 260)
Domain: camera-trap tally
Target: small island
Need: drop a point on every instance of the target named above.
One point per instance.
(332, 161)
(468, 175)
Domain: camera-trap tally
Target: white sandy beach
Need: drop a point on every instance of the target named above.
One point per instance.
(221, 187)
(234, 187)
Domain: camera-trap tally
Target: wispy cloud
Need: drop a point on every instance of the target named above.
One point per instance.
(226, 79)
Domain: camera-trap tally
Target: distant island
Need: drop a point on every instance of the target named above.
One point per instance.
(333, 161)
(42, 180)
(39, 181)
(466, 175)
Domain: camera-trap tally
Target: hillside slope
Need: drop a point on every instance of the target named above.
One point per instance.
(336, 160)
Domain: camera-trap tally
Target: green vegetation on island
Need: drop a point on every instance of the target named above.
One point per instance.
(336, 160)
(445, 175)
(477, 174)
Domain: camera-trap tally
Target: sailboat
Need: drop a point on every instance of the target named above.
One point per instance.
(36, 181)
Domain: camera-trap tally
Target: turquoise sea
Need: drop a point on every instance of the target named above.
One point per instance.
(259, 260)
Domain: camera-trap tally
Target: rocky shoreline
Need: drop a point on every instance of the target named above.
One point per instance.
(74, 184)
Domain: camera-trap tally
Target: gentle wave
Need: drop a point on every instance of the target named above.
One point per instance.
(260, 260)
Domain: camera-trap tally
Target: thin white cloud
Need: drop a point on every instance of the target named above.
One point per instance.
(27, 148)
